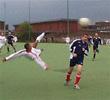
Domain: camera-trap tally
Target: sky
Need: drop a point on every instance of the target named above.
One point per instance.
(17, 11)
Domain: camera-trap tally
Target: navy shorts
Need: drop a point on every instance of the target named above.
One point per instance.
(10, 43)
(76, 60)
(95, 47)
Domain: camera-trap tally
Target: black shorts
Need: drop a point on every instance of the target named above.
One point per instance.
(10, 43)
(95, 48)
(76, 60)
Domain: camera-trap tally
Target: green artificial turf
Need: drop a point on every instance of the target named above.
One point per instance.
(23, 79)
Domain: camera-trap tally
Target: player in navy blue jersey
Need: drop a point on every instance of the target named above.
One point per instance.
(10, 40)
(96, 42)
(78, 48)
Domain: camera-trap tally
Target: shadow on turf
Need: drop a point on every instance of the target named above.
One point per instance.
(60, 70)
(64, 70)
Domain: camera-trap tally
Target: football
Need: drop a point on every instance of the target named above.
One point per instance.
(84, 22)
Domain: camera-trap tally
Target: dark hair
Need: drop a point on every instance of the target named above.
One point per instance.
(83, 34)
(26, 46)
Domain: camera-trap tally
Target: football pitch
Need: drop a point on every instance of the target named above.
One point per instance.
(23, 79)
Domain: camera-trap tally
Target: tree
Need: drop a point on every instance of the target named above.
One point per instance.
(25, 31)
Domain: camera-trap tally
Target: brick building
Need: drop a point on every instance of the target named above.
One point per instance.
(53, 26)
(103, 26)
(58, 28)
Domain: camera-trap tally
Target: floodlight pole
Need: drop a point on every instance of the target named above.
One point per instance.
(29, 11)
(68, 30)
(4, 17)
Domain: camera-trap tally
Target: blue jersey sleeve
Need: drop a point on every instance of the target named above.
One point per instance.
(73, 46)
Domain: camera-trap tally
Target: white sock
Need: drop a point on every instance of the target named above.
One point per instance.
(40, 37)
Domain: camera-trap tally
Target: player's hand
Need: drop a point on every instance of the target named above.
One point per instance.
(83, 49)
(74, 55)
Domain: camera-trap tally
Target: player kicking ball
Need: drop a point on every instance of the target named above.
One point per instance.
(31, 52)
(78, 49)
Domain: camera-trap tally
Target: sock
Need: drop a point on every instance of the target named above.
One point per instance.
(14, 49)
(77, 79)
(39, 38)
(94, 56)
(68, 76)
(8, 49)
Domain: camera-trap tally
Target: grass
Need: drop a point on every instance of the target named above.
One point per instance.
(23, 79)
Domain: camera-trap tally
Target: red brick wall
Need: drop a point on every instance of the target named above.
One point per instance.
(53, 26)
(74, 27)
(58, 26)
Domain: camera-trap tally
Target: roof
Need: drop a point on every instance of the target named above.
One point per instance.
(52, 20)
(1, 21)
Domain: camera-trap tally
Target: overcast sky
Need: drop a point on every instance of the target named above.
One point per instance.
(17, 11)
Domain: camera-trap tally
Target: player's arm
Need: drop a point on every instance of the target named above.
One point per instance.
(93, 40)
(12, 38)
(100, 41)
(73, 48)
(34, 45)
(38, 39)
(86, 51)
(14, 55)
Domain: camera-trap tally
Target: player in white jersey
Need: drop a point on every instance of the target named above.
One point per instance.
(31, 52)
(67, 39)
(15, 39)
(2, 41)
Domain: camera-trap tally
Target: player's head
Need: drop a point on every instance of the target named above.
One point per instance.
(96, 34)
(27, 46)
(84, 37)
(9, 33)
